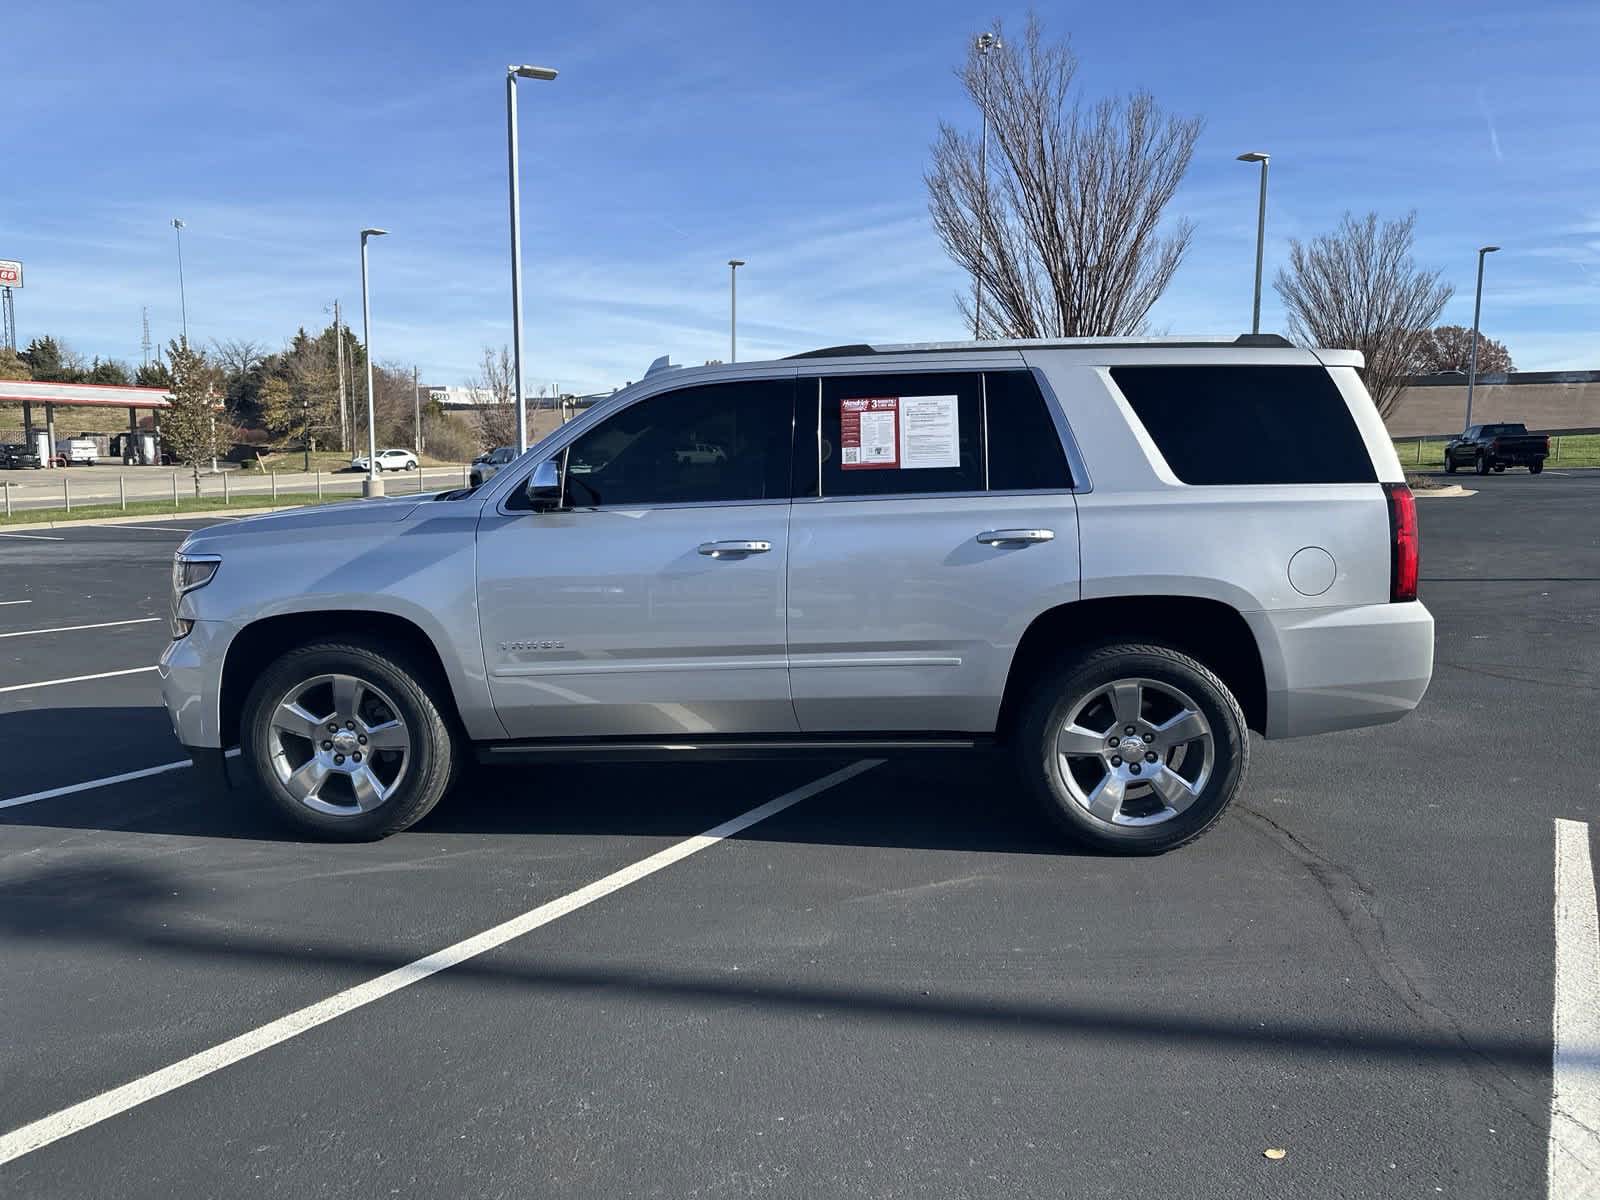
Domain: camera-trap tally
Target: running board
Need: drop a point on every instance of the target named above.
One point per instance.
(603, 750)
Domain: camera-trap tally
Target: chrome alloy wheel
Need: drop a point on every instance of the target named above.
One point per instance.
(338, 744)
(1134, 752)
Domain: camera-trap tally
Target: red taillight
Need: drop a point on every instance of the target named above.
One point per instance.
(1402, 542)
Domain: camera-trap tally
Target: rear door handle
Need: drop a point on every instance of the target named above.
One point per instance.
(734, 549)
(999, 537)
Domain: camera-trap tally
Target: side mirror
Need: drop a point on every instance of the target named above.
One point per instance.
(543, 488)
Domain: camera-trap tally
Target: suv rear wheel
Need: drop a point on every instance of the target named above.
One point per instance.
(346, 741)
(1133, 749)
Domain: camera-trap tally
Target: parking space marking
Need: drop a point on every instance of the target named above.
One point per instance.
(1574, 1158)
(75, 628)
(90, 785)
(41, 1133)
(22, 687)
(3, 603)
(33, 537)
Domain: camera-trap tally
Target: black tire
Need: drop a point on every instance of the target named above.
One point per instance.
(434, 754)
(1050, 703)
(1449, 464)
(1499, 468)
(411, 466)
(1536, 466)
(1483, 465)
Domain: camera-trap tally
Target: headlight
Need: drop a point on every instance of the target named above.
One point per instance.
(189, 571)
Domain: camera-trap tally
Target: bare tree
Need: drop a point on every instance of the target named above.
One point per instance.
(1358, 288)
(496, 406)
(238, 357)
(1064, 234)
(1449, 348)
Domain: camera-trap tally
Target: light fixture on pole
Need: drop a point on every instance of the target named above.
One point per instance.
(183, 304)
(1477, 307)
(372, 486)
(1259, 156)
(514, 73)
(983, 43)
(733, 308)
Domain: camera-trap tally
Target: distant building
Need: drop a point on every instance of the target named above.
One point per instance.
(1542, 400)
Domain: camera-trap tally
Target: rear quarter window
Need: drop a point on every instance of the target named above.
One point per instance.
(1247, 424)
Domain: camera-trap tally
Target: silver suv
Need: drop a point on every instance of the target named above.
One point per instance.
(1109, 559)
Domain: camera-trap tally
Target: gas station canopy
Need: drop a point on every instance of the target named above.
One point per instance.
(92, 395)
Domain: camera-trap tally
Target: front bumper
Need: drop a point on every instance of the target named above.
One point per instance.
(1342, 668)
(191, 685)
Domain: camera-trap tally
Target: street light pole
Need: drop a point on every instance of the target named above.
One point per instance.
(984, 43)
(513, 73)
(1261, 233)
(1477, 306)
(183, 304)
(372, 486)
(733, 308)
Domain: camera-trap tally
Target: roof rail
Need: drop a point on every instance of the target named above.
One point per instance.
(1245, 340)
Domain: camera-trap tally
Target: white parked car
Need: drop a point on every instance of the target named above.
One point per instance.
(389, 460)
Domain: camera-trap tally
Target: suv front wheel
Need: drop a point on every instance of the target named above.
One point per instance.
(346, 741)
(1133, 749)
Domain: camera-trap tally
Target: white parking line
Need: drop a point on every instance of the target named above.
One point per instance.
(89, 1112)
(89, 785)
(75, 628)
(33, 537)
(22, 687)
(3, 603)
(1574, 1158)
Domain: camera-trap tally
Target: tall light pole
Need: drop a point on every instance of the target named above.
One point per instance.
(183, 304)
(733, 308)
(514, 73)
(373, 486)
(1477, 306)
(1261, 157)
(984, 43)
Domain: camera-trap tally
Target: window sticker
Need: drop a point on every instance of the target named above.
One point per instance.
(930, 432)
(868, 433)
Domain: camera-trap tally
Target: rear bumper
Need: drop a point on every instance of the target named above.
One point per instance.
(1342, 668)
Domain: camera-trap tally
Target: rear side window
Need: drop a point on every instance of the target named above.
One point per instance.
(1247, 424)
(1024, 448)
(886, 435)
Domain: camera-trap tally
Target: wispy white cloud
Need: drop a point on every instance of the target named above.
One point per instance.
(1488, 120)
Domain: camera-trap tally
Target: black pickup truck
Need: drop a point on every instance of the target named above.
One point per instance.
(1495, 447)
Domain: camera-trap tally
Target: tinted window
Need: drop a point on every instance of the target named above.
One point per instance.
(1497, 430)
(1024, 448)
(893, 434)
(1220, 425)
(719, 442)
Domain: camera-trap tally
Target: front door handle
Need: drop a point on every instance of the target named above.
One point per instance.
(734, 549)
(1000, 537)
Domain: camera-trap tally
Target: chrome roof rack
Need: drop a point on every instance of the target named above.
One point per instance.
(1242, 341)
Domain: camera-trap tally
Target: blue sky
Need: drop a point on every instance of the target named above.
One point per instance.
(792, 136)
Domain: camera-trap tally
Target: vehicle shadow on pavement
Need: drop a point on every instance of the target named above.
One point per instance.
(944, 802)
(118, 905)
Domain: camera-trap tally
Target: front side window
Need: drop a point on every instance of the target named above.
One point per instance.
(715, 443)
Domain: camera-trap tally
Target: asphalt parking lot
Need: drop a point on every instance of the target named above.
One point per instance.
(897, 985)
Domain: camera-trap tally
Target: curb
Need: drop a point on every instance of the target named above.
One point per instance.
(1454, 492)
(148, 517)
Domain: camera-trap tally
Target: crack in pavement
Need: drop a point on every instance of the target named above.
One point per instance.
(1352, 901)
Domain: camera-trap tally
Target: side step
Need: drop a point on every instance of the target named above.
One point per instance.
(721, 748)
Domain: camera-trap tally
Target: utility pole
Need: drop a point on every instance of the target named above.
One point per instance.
(416, 401)
(144, 342)
(338, 350)
(183, 304)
